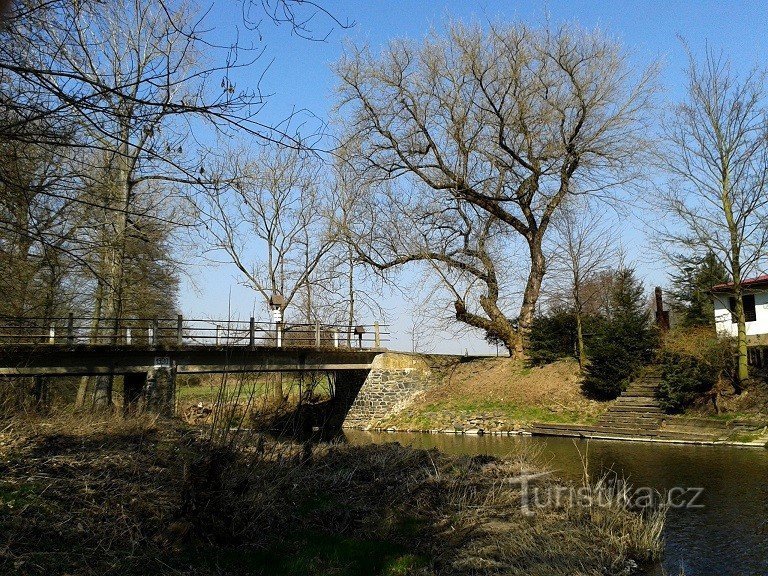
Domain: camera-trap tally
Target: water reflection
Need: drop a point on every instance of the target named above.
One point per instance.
(728, 536)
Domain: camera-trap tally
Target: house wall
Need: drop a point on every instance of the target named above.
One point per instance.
(723, 315)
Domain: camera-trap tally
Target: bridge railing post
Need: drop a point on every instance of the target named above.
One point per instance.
(279, 334)
(252, 333)
(71, 329)
(128, 335)
(52, 334)
(335, 338)
(179, 329)
(376, 335)
(317, 334)
(153, 333)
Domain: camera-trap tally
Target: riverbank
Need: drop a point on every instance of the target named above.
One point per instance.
(498, 395)
(138, 496)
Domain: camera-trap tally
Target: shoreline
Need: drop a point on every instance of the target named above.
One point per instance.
(761, 444)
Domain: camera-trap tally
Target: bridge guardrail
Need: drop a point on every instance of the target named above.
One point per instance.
(180, 331)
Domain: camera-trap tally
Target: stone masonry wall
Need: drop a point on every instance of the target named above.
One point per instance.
(394, 381)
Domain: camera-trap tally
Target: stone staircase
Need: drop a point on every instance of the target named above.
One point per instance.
(636, 415)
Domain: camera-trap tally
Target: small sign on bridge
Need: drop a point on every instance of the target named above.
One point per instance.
(162, 362)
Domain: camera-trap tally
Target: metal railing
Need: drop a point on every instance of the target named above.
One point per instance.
(180, 331)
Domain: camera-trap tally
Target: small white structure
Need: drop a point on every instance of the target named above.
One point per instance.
(755, 297)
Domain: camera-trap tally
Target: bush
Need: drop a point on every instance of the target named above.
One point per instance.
(684, 380)
(693, 361)
(552, 337)
(622, 344)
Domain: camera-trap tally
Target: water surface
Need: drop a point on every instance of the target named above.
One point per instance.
(728, 536)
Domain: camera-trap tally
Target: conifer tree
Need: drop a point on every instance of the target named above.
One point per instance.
(691, 287)
(623, 343)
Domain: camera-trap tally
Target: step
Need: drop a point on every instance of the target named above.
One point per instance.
(640, 423)
(627, 431)
(641, 408)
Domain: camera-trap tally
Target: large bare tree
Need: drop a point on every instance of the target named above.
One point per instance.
(717, 157)
(509, 121)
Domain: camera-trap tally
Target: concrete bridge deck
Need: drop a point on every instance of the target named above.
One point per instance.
(93, 359)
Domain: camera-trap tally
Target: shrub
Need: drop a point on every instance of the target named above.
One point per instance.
(693, 361)
(552, 337)
(684, 380)
(622, 343)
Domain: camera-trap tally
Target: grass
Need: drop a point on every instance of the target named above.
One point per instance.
(446, 414)
(320, 553)
(210, 388)
(499, 394)
(139, 496)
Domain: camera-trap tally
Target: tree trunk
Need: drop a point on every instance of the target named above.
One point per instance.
(530, 297)
(733, 230)
(351, 288)
(580, 341)
(742, 372)
(102, 393)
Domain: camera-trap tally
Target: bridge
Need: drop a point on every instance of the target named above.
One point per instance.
(80, 346)
(148, 353)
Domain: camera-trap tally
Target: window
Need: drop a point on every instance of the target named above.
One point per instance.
(750, 314)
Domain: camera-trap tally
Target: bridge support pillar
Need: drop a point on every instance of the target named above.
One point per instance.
(395, 380)
(160, 391)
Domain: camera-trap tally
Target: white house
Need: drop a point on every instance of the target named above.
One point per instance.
(755, 298)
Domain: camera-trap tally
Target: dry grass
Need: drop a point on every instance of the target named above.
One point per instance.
(500, 394)
(97, 496)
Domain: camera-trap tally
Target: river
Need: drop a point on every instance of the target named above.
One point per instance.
(725, 533)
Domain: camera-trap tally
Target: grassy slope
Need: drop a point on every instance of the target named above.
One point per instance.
(106, 496)
(500, 394)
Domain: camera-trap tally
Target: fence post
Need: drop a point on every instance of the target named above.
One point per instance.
(335, 338)
(279, 331)
(179, 329)
(155, 327)
(252, 334)
(376, 335)
(217, 334)
(52, 335)
(128, 335)
(71, 329)
(317, 334)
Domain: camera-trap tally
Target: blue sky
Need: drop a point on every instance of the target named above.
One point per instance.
(300, 77)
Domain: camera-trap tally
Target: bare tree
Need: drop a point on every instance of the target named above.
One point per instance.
(509, 122)
(270, 218)
(460, 243)
(583, 249)
(717, 157)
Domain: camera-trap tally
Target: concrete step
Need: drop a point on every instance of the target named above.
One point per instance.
(641, 408)
(647, 423)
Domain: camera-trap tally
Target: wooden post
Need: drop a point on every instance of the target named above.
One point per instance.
(52, 335)
(252, 334)
(317, 334)
(71, 329)
(179, 330)
(376, 335)
(155, 336)
(335, 338)
(128, 335)
(217, 334)
(279, 334)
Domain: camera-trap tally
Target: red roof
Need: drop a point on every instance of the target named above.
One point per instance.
(756, 282)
